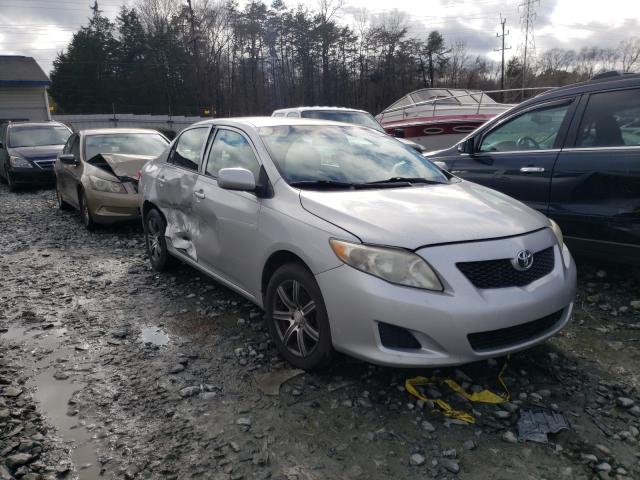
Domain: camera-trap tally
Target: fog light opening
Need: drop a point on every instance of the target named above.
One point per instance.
(397, 338)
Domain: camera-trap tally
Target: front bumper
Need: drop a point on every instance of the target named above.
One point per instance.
(442, 321)
(31, 176)
(107, 208)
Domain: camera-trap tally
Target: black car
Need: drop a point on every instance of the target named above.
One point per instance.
(28, 151)
(572, 153)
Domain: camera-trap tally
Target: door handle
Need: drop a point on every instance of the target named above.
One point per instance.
(199, 194)
(532, 169)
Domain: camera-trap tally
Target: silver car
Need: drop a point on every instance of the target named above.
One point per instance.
(351, 242)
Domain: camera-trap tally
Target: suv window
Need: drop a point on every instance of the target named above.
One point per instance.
(230, 149)
(533, 130)
(186, 153)
(611, 119)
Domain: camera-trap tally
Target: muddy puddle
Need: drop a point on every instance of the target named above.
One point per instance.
(52, 395)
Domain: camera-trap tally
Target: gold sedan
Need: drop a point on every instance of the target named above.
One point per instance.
(97, 172)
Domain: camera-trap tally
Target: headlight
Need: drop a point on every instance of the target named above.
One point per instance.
(391, 264)
(19, 162)
(566, 256)
(103, 185)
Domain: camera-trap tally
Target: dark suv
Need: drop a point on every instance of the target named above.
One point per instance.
(572, 153)
(28, 151)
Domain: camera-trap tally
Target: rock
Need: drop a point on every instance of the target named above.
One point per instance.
(244, 421)
(502, 414)
(428, 427)
(450, 465)
(17, 460)
(189, 391)
(509, 437)
(416, 460)
(177, 368)
(469, 445)
(624, 402)
(603, 467)
(60, 375)
(12, 391)
(635, 304)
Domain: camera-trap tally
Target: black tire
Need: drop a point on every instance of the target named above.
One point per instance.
(303, 339)
(10, 183)
(62, 205)
(3, 174)
(85, 214)
(156, 243)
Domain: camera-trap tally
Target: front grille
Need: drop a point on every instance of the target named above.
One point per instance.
(501, 273)
(507, 337)
(45, 164)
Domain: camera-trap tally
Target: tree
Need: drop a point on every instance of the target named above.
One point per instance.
(436, 54)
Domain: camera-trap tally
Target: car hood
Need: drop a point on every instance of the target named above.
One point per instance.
(36, 153)
(413, 217)
(119, 164)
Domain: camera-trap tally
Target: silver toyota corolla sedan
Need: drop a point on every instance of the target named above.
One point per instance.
(352, 242)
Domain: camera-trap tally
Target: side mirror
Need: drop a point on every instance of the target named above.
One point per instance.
(236, 179)
(68, 159)
(398, 132)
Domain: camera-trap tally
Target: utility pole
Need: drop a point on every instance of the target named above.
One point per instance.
(527, 18)
(503, 21)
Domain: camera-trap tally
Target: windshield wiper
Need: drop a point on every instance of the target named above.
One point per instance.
(321, 184)
(406, 180)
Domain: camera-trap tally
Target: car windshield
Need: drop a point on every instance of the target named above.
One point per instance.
(357, 118)
(38, 135)
(342, 154)
(150, 144)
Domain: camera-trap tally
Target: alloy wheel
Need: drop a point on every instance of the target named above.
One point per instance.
(294, 316)
(154, 232)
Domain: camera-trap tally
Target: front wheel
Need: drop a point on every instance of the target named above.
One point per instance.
(155, 241)
(297, 318)
(85, 213)
(11, 183)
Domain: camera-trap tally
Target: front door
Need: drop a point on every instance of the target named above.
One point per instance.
(176, 182)
(517, 156)
(67, 173)
(595, 193)
(228, 220)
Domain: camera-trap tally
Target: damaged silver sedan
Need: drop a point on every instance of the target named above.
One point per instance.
(97, 172)
(352, 242)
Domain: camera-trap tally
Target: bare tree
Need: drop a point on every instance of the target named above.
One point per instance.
(630, 54)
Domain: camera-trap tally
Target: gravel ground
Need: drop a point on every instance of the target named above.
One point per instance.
(108, 369)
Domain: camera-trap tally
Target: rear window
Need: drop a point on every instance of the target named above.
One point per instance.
(37, 135)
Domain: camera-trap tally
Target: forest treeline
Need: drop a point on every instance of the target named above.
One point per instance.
(217, 58)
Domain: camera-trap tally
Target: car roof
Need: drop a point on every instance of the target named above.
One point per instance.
(609, 80)
(102, 131)
(45, 123)
(258, 122)
(318, 108)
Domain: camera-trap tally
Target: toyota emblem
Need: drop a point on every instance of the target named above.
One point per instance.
(523, 260)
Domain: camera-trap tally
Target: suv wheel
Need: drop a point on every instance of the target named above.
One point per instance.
(297, 318)
(10, 183)
(155, 242)
(85, 214)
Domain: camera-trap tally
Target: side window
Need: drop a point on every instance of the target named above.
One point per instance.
(611, 119)
(293, 115)
(188, 148)
(533, 130)
(230, 149)
(75, 147)
(280, 114)
(67, 146)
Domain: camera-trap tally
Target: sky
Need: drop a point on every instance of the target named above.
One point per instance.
(41, 28)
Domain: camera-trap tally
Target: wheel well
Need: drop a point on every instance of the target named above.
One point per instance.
(275, 261)
(148, 206)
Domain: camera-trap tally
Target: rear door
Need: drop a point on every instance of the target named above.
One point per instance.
(517, 155)
(228, 220)
(67, 173)
(595, 193)
(175, 183)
